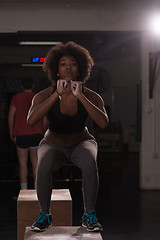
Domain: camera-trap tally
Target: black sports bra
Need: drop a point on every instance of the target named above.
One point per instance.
(61, 123)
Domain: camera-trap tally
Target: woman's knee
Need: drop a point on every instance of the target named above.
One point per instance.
(89, 165)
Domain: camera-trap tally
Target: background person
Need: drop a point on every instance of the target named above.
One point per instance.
(67, 105)
(26, 137)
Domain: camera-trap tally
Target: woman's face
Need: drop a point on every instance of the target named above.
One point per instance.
(68, 68)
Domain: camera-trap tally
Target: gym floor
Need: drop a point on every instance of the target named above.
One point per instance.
(125, 212)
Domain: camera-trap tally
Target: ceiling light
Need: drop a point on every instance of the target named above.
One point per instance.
(38, 43)
(31, 65)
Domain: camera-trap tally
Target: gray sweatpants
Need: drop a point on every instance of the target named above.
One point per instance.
(51, 157)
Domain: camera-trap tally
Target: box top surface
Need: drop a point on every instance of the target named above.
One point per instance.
(63, 233)
(57, 194)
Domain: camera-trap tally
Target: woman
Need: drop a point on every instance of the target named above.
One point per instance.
(67, 104)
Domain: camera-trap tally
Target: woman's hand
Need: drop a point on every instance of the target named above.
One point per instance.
(76, 88)
(61, 86)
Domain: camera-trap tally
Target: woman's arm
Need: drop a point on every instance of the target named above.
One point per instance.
(43, 101)
(95, 107)
(41, 104)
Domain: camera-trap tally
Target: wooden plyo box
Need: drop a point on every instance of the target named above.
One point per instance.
(62, 233)
(28, 209)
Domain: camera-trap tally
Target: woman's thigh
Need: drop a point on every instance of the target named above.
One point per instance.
(50, 156)
(84, 155)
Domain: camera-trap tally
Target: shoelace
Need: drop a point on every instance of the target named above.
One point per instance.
(91, 215)
(42, 217)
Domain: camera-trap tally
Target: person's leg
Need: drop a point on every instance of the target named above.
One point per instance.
(23, 168)
(84, 156)
(50, 158)
(34, 160)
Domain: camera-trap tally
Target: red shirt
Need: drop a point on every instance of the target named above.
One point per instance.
(22, 102)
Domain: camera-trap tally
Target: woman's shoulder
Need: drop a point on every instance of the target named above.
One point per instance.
(91, 94)
(44, 94)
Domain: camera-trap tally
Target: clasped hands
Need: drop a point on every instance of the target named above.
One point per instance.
(76, 87)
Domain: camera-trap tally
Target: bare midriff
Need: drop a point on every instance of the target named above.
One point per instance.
(66, 140)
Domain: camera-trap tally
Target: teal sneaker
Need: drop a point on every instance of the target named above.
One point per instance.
(90, 221)
(42, 223)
